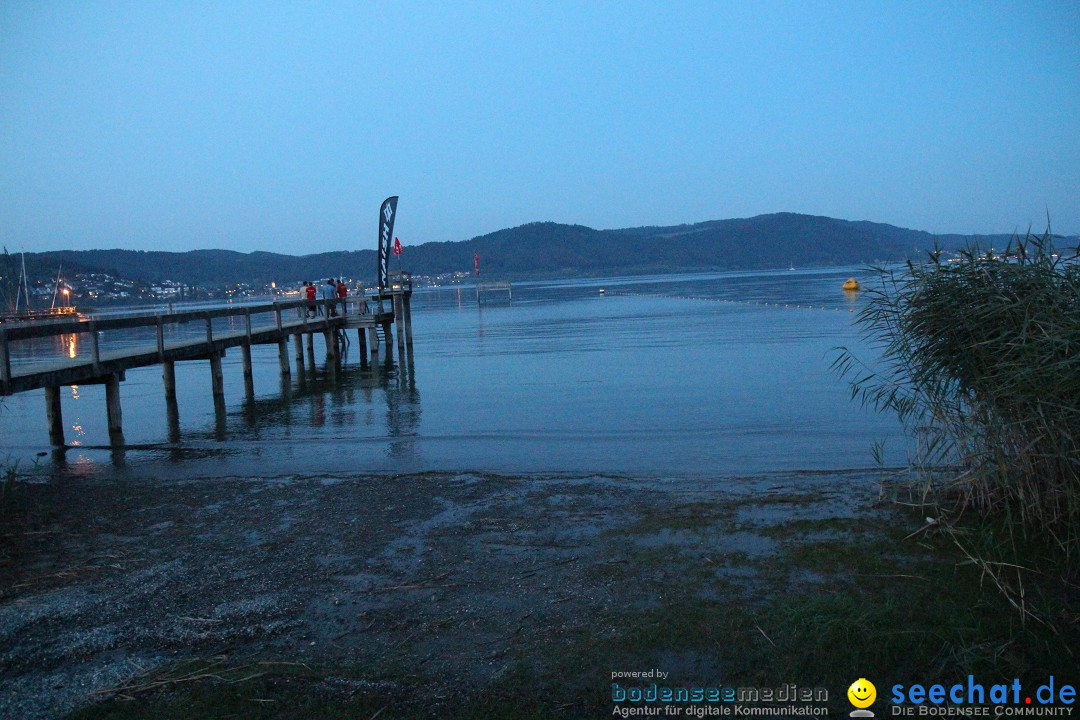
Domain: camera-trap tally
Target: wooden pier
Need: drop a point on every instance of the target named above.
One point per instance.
(273, 324)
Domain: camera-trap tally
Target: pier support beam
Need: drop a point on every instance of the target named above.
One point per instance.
(389, 352)
(407, 307)
(112, 409)
(361, 344)
(249, 378)
(373, 343)
(216, 377)
(330, 337)
(172, 419)
(54, 416)
(283, 358)
(399, 323)
(311, 343)
(298, 349)
(168, 378)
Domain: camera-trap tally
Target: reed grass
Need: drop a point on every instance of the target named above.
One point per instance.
(980, 359)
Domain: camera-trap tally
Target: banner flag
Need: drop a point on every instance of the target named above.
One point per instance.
(476, 262)
(386, 231)
(397, 246)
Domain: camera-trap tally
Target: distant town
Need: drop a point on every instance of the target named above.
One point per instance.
(86, 290)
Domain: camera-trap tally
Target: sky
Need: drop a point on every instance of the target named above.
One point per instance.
(281, 126)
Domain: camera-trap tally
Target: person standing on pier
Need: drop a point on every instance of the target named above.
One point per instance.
(309, 293)
(329, 292)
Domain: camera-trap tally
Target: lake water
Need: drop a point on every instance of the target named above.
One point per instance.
(676, 374)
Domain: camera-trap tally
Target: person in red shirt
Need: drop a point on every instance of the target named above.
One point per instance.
(342, 291)
(309, 293)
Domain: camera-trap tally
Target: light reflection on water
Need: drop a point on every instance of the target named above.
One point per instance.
(678, 374)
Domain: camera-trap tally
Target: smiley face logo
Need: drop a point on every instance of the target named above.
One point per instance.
(862, 693)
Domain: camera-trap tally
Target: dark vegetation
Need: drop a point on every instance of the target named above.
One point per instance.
(541, 249)
(981, 361)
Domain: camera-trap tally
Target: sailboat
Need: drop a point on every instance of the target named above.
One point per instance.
(22, 296)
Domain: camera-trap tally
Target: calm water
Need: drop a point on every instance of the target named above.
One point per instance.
(666, 374)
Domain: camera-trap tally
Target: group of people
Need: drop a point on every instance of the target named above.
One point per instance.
(330, 290)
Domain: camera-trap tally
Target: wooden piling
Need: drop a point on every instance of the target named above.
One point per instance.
(112, 408)
(283, 358)
(54, 416)
(331, 344)
(298, 348)
(399, 323)
(168, 378)
(216, 377)
(373, 342)
(311, 343)
(407, 300)
(159, 328)
(361, 343)
(172, 419)
(95, 350)
(249, 378)
(389, 352)
(5, 359)
(246, 351)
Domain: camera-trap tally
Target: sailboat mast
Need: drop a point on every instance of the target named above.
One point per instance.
(26, 288)
(56, 286)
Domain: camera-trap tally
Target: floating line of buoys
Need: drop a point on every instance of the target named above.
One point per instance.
(759, 303)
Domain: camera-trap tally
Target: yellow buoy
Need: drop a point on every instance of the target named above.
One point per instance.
(851, 284)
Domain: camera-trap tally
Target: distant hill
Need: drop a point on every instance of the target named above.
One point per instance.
(546, 249)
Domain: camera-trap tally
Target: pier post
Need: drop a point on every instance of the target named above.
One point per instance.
(112, 408)
(168, 378)
(216, 376)
(54, 416)
(172, 419)
(399, 323)
(160, 332)
(249, 381)
(311, 344)
(298, 349)
(95, 351)
(407, 304)
(331, 343)
(283, 357)
(389, 345)
(373, 343)
(5, 359)
(361, 343)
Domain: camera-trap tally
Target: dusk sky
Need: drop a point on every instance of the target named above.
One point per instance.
(281, 126)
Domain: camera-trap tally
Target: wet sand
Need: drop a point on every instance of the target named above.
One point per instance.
(449, 574)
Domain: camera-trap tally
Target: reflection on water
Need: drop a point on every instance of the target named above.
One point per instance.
(703, 373)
